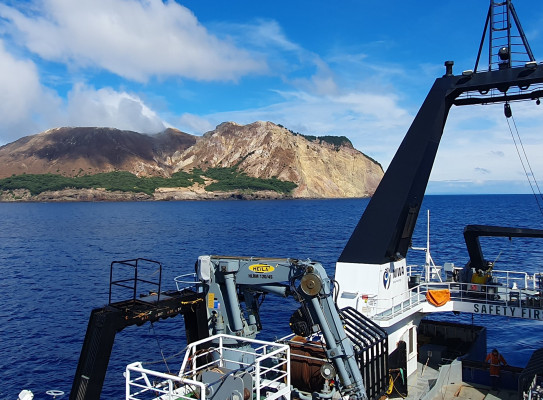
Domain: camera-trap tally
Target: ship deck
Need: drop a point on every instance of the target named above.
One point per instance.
(463, 391)
(420, 386)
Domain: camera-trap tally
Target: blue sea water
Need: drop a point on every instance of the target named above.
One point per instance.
(55, 258)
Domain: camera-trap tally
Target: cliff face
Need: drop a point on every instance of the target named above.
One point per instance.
(265, 150)
(261, 149)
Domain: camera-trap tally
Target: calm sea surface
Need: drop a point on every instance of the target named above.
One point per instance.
(55, 257)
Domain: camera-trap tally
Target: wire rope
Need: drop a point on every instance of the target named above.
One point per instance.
(160, 348)
(526, 172)
(526, 156)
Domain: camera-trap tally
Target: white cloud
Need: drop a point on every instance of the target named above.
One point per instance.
(135, 39)
(24, 103)
(107, 107)
(265, 34)
(321, 83)
(192, 123)
(20, 86)
(28, 107)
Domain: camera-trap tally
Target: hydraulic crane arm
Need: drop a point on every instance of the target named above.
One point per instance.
(229, 279)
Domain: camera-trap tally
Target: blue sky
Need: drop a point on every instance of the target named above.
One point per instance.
(354, 68)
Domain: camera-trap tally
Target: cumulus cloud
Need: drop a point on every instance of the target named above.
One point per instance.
(16, 76)
(28, 107)
(135, 39)
(24, 103)
(87, 106)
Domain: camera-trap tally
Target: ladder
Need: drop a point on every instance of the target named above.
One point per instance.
(507, 44)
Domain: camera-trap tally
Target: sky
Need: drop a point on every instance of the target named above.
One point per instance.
(358, 68)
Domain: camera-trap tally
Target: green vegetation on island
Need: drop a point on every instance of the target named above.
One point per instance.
(226, 179)
(336, 141)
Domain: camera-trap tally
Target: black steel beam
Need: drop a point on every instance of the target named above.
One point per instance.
(534, 95)
(384, 231)
(104, 323)
(473, 232)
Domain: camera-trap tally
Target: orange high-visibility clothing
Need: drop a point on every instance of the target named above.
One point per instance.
(495, 363)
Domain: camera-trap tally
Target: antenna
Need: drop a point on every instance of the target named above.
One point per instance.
(507, 47)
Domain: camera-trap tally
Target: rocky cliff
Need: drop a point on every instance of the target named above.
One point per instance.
(265, 150)
(321, 169)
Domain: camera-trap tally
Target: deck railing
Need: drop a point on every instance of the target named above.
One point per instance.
(143, 383)
(508, 288)
(267, 363)
(187, 281)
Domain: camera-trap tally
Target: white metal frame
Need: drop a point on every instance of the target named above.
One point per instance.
(142, 383)
(186, 281)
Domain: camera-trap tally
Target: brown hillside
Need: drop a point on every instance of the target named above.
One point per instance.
(266, 150)
(72, 151)
(261, 150)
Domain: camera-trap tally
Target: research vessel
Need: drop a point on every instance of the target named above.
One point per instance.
(361, 334)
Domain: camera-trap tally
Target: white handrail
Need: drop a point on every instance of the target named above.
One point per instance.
(184, 281)
(157, 388)
(263, 358)
(386, 309)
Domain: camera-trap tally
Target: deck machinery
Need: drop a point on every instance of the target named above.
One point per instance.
(348, 352)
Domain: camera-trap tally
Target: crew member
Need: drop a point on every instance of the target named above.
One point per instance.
(496, 360)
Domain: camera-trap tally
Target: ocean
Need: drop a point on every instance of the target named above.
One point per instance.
(55, 262)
